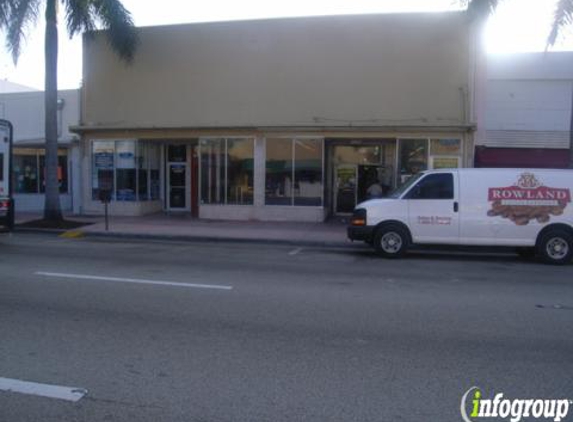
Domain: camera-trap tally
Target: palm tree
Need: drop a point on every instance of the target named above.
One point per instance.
(81, 16)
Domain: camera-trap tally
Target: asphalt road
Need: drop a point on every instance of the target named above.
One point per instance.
(291, 334)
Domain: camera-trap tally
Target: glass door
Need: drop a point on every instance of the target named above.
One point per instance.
(346, 188)
(177, 178)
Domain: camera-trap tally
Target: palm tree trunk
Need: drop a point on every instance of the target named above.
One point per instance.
(52, 209)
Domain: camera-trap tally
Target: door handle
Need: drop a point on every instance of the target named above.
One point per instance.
(456, 206)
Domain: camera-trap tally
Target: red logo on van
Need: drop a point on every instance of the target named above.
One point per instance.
(528, 200)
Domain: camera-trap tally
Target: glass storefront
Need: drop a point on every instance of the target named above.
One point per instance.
(127, 168)
(298, 171)
(361, 171)
(29, 170)
(417, 155)
(227, 171)
(293, 172)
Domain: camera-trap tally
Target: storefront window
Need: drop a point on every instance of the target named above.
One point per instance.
(129, 169)
(279, 172)
(62, 172)
(142, 162)
(293, 172)
(445, 153)
(26, 173)
(357, 154)
(154, 166)
(227, 171)
(212, 171)
(125, 171)
(445, 147)
(413, 157)
(103, 153)
(29, 170)
(308, 172)
(240, 171)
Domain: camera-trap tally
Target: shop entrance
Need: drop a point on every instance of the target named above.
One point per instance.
(361, 170)
(181, 178)
(357, 183)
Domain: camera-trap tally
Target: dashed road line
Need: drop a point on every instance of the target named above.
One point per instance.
(134, 281)
(73, 394)
(295, 251)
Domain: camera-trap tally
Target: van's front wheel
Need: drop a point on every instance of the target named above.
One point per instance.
(556, 247)
(391, 241)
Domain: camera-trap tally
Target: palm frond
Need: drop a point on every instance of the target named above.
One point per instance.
(563, 17)
(5, 8)
(121, 32)
(20, 13)
(479, 8)
(79, 16)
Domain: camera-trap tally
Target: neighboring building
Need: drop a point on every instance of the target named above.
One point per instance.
(11, 87)
(283, 119)
(529, 106)
(26, 112)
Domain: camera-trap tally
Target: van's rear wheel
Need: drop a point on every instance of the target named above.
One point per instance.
(556, 247)
(391, 241)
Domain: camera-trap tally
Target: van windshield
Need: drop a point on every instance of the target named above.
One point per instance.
(396, 193)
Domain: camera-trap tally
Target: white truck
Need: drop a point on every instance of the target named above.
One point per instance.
(529, 209)
(6, 200)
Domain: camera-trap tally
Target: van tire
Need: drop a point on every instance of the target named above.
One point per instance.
(555, 247)
(391, 241)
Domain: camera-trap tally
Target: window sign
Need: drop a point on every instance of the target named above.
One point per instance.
(445, 162)
(129, 168)
(103, 160)
(445, 147)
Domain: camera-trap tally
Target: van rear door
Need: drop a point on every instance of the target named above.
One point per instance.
(433, 215)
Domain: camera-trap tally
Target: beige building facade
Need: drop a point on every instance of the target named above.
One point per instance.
(283, 119)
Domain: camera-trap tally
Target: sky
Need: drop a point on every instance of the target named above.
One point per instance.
(517, 26)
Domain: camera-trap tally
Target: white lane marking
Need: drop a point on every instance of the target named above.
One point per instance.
(295, 251)
(135, 280)
(44, 390)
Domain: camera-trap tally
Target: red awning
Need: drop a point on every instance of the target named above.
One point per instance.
(521, 157)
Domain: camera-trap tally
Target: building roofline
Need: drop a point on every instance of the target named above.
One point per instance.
(471, 127)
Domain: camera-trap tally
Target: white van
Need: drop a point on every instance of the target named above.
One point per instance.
(525, 208)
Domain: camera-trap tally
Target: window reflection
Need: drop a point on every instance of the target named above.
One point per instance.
(308, 172)
(128, 168)
(413, 157)
(227, 171)
(293, 172)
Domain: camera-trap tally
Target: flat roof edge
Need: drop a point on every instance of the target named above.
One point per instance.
(471, 127)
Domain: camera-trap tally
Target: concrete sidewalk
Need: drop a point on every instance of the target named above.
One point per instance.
(183, 227)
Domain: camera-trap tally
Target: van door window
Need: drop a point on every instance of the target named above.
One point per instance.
(433, 186)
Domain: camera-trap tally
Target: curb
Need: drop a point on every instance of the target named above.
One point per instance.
(189, 238)
(39, 231)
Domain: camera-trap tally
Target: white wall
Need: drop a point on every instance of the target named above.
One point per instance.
(26, 112)
(529, 100)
